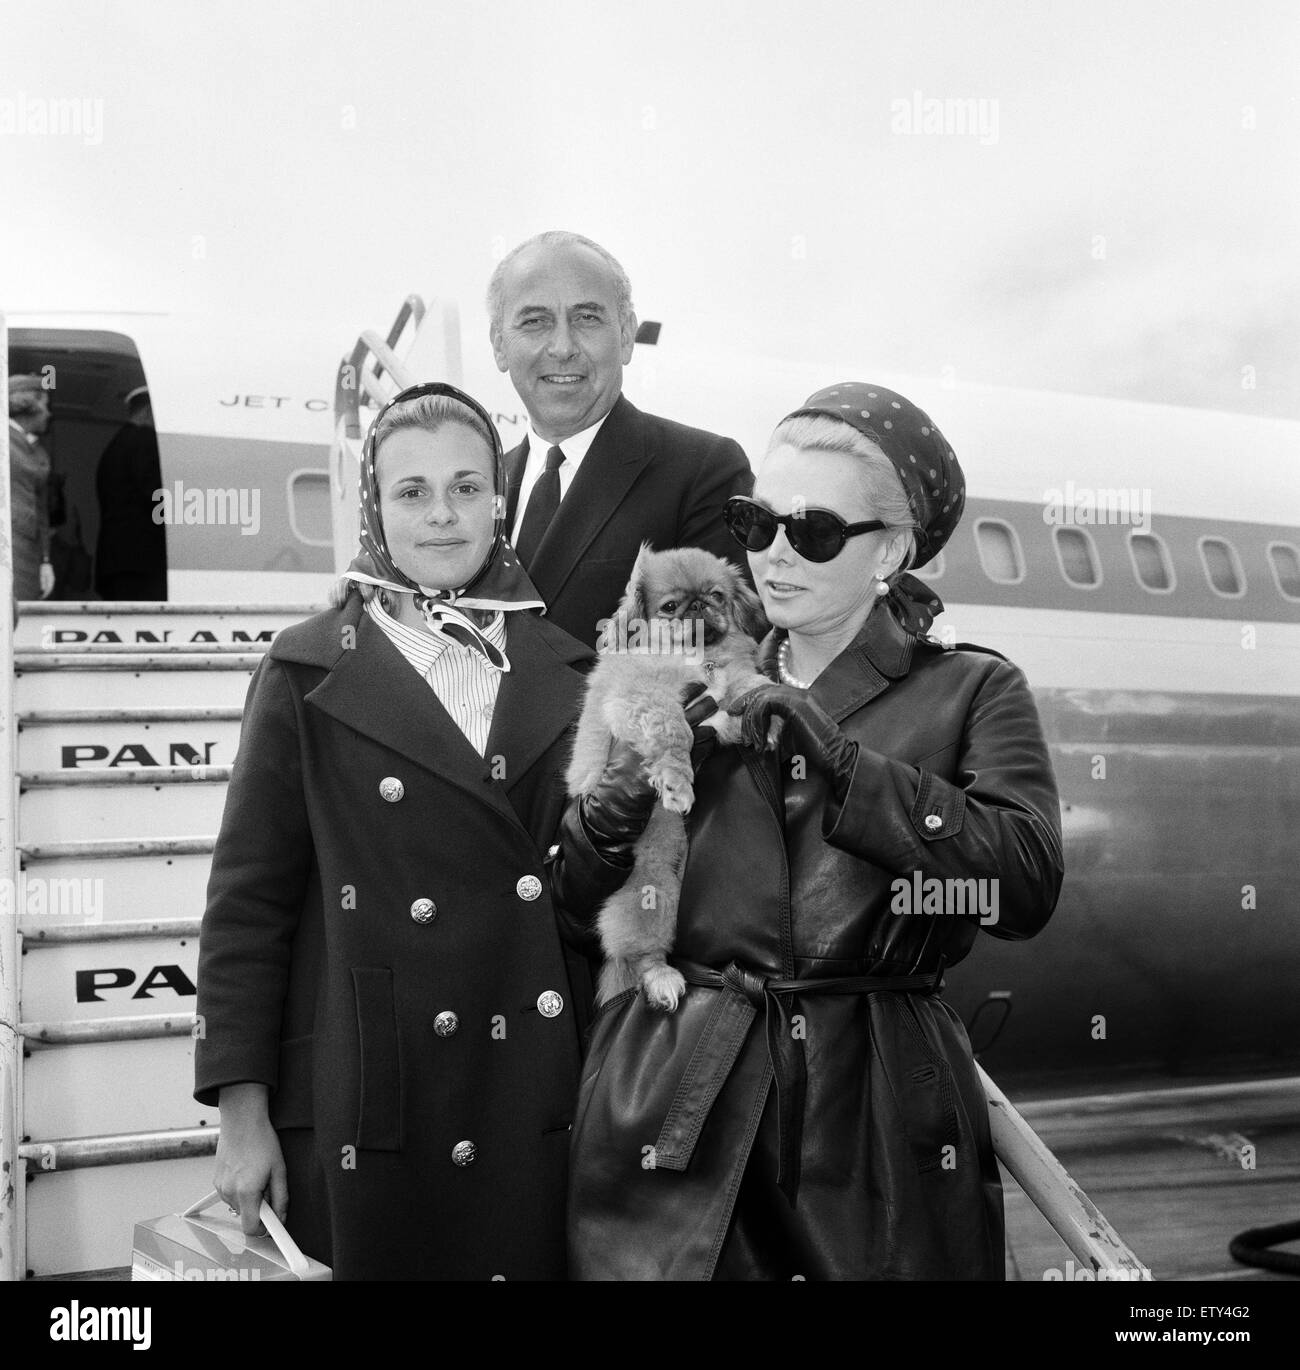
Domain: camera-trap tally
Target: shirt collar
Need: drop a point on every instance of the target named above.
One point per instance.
(574, 448)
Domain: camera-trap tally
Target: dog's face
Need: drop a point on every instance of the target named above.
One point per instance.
(686, 597)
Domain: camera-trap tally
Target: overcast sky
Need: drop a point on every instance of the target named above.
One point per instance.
(1123, 219)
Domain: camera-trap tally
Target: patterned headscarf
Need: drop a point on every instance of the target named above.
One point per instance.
(500, 583)
(927, 468)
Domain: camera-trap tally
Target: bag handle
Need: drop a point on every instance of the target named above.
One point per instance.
(288, 1248)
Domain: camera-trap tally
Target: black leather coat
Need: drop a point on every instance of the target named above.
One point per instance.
(888, 1171)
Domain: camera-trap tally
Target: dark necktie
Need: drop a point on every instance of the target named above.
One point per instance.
(542, 504)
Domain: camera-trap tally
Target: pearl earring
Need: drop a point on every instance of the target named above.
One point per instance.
(882, 588)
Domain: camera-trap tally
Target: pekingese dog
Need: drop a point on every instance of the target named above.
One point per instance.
(686, 616)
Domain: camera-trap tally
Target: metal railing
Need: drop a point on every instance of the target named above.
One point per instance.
(1076, 1219)
(11, 1047)
(355, 375)
(362, 373)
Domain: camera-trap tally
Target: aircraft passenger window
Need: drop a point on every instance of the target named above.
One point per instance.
(1151, 562)
(1222, 568)
(1285, 561)
(932, 570)
(1078, 557)
(999, 550)
(310, 514)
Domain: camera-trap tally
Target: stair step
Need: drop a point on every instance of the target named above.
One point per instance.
(212, 658)
(109, 777)
(40, 718)
(164, 608)
(119, 1148)
(42, 1034)
(38, 935)
(115, 849)
(153, 649)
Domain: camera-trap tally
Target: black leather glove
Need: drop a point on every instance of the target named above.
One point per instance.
(615, 813)
(699, 704)
(809, 731)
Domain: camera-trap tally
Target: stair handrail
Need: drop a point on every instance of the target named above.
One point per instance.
(1077, 1220)
(356, 377)
(352, 377)
(10, 1041)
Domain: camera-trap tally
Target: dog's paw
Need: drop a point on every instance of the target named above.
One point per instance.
(676, 785)
(663, 987)
(678, 795)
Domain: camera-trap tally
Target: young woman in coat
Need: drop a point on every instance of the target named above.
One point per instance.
(388, 1020)
(812, 1109)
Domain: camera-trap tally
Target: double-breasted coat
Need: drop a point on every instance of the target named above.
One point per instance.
(381, 949)
(866, 1105)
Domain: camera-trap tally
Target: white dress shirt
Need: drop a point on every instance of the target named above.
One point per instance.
(574, 449)
(465, 684)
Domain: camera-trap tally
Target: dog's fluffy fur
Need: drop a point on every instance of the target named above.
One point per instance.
(686, 616)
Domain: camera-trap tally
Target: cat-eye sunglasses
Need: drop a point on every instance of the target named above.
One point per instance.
(815, 534)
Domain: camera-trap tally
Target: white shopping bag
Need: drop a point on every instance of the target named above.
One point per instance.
(187, 1246)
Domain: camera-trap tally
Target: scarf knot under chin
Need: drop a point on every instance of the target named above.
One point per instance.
(445, 612)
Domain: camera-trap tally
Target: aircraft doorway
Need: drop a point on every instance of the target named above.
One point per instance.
(103, 450)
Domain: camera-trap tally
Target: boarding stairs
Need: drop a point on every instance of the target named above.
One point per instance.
(127, 722)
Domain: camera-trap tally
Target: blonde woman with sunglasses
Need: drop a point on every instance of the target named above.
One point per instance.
(812, 1109)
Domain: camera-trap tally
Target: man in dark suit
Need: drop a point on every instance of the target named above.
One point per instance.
(131, 555)
(595, 477)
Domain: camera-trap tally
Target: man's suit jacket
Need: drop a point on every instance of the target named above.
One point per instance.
(644, 479)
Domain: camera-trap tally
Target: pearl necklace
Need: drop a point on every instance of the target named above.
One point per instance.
(783, 667)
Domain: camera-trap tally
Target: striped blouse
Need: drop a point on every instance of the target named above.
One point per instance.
(465, 684)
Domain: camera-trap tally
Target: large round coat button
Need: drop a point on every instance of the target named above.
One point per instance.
(550, 1004)
(463, 1153)
(446, 1023)
(423, 910)
(391, 788)
(933, 822)
(528, 887)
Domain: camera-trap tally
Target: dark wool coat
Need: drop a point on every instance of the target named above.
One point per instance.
(645, 479)
(317, 978)
(676, 1140)
(29, 479)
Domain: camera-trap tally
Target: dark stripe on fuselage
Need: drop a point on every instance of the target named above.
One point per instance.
(964, 579)
(243, 464)
(1179, 810)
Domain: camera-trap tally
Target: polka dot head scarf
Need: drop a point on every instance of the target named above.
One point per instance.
(500, 583)
(929, 472)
